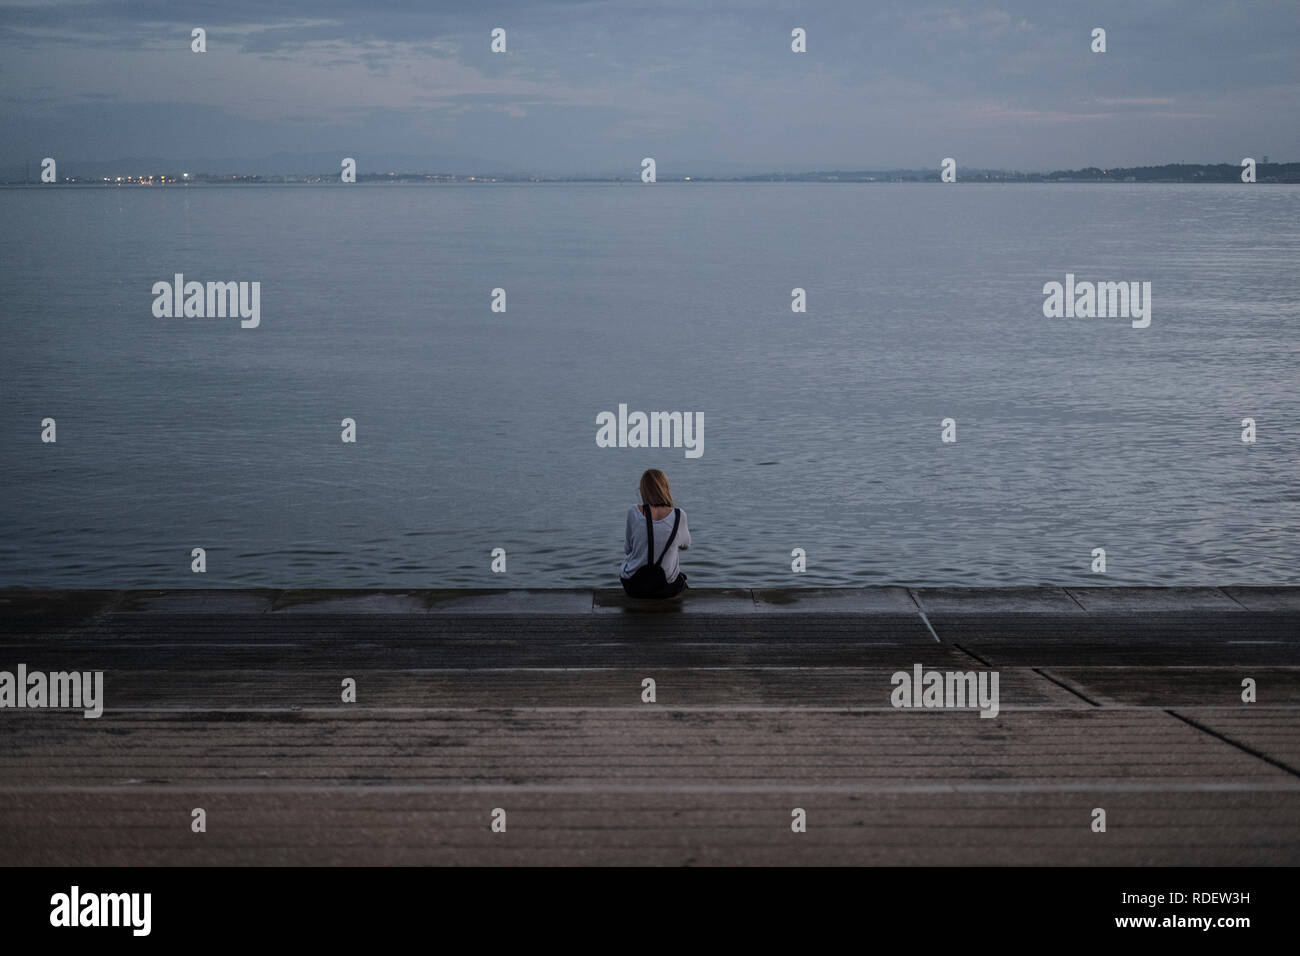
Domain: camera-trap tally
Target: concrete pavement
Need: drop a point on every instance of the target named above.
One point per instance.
(765, 702)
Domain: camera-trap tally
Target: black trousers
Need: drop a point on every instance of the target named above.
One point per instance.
(674, 587)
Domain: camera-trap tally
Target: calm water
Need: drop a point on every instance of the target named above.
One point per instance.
(477, 430)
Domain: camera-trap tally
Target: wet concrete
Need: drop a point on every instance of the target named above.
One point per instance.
(61, 607)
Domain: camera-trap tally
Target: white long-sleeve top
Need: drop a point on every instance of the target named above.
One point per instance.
(635, 544)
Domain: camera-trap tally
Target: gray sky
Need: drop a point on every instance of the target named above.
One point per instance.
(709, 85)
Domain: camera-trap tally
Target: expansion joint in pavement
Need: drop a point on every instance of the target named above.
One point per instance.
(1235, 743)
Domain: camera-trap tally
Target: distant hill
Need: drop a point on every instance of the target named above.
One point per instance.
(1170, 173)
(324, 168)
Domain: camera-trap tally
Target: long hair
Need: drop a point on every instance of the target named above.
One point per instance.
(655, 490)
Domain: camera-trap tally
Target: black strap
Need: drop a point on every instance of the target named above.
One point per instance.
(672, 537)
(650, 534)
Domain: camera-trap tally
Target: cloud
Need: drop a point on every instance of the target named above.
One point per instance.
(589, 81)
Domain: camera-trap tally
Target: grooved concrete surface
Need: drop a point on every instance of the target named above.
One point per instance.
(766, 702)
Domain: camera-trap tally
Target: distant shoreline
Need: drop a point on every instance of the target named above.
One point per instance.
(1223, 173)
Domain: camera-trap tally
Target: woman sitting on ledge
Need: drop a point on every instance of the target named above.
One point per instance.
(656, 531)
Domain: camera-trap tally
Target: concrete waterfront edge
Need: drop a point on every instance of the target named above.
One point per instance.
(18, 604)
